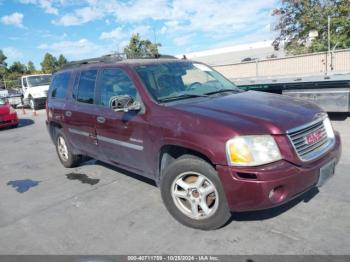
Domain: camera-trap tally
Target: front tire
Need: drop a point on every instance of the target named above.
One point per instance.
(64, 152)
(193, 195)
(33, 104)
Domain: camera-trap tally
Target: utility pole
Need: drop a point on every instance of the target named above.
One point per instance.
(154, 35)
(329, 42)
(329, 34)
(3, 66)
(332, 56)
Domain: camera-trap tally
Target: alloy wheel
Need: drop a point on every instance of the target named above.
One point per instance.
(195, 195)
(62, 148)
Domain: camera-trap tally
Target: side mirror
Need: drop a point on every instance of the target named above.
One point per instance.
(124, 103)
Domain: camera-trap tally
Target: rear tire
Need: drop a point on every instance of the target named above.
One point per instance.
(64, 152)
(193, 195)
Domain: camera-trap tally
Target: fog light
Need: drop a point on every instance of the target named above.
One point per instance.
(278, 194)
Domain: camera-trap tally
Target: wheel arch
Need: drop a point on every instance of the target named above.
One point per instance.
(170, 152)
(52, 129)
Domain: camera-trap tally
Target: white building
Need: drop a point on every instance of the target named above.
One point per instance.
(236, 54)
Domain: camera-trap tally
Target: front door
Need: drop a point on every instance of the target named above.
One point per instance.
(121, 135)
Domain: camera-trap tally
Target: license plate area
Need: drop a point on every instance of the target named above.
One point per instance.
(326, 172)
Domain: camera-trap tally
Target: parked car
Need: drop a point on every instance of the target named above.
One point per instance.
(13, 96)
(8, 115)
(34, 88)
(210, 147)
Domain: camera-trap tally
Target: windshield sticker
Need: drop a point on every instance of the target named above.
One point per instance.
(202, 67)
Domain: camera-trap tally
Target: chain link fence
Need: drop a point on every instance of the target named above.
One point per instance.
(9, 84)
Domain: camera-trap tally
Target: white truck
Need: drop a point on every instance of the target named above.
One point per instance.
(35, 88)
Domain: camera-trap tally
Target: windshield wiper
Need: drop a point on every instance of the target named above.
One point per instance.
(183, 96)
(223, 91)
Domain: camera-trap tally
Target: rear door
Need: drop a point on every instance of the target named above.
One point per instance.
(80, 113)
(57, 94)
(121, 135)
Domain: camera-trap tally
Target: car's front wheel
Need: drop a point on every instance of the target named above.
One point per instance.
(33, 104)
(192, 193)
(67, 158)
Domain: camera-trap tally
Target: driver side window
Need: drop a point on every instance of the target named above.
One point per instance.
(115, 82)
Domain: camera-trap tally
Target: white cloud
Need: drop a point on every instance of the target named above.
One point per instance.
(217, 17)
(12, 53)
(208, 16)
(74, 49)
(119, 34)
(175, 20)
(143, 30)
(116, 34)
(140, 10)
(46, 5)
(15, 19)
(80, 16)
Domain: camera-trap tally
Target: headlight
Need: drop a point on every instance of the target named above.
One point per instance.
(329, 129)
(252, 150)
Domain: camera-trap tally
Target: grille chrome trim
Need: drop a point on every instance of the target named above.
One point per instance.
(308, 152)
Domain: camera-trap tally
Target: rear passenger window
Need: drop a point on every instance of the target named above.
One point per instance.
(59, 85)
(115, 82)
(86, 87)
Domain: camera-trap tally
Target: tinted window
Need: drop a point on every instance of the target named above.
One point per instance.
(59, 85)
(115, 82)
(86, 86)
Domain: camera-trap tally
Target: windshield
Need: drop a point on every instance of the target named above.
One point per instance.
(169, 81)
(2, 101)
(41, 80)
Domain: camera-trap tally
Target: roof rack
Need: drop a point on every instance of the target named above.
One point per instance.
(112, 58)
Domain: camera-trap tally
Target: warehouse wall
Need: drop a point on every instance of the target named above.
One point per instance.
(308, 64)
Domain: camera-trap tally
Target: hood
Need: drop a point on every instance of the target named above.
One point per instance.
(38, 89)
(4, 109)
(255, 112)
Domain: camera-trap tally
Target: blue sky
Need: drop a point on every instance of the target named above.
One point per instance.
(88, 28)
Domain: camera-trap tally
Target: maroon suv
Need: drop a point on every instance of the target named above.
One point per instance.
(211, 147)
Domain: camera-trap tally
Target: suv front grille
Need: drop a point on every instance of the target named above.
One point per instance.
(312, 140)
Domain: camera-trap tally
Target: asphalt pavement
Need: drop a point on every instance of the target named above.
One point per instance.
(98, 209)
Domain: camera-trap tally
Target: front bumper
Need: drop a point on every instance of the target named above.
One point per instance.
(289, 181)
(40, 101)
(8, 120)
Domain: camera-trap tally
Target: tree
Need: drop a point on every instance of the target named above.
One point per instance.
(17, 67)
(2, 58)
(3, 64)
(297, 18)
(61, 61)
(138, 47)
(30, 68)
(49, 64)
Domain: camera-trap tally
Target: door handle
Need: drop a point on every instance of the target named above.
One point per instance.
(68, 113)
(101, 119)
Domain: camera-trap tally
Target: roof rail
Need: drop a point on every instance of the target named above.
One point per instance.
(112, 58)
(156, 56)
